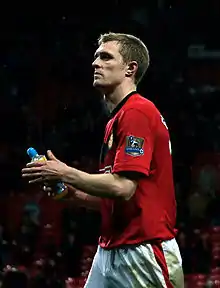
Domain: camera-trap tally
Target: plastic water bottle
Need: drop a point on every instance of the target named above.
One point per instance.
(60, 188)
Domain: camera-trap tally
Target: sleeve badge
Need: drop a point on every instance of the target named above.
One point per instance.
(134, 146)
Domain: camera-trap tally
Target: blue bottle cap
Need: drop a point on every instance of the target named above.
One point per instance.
(32, 152)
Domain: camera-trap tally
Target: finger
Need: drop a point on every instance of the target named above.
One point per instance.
(32, 175)
(38, 180)
(31, 170)
(42, 178)
(35, 164)
(51, 156)
(71, 188)
(47, 188)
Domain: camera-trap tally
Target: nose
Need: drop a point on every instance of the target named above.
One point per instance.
(96, 64)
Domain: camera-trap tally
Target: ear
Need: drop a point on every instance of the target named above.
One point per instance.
(131, 69)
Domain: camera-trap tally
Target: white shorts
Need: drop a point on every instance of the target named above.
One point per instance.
(141, 266)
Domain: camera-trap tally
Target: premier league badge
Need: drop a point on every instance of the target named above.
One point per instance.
(134, 146)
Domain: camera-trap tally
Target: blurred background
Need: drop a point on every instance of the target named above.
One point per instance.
(48, 102)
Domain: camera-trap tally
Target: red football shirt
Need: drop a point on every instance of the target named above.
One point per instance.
(137, 139)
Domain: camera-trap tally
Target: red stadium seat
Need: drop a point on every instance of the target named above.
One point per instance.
(215, 229)
(214, 277)
(196, 280)
(215, 271)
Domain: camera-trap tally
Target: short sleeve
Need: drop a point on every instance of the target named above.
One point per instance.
(134, 143)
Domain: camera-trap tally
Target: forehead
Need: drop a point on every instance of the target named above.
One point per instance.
(111, 47)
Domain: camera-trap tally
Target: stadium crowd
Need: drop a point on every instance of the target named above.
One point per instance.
(47, 101)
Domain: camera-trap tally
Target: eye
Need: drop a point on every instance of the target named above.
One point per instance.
(105, 56)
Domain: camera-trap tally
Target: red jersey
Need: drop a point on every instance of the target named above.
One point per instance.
(137, 139)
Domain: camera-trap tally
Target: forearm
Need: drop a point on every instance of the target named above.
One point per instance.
(87, 201)
(99, 185)
(84, 200)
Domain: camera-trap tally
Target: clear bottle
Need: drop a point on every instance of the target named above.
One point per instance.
(60, 189)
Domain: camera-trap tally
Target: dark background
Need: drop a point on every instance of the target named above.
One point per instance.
(47, 101)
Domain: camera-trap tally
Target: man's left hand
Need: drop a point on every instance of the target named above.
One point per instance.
(45, 171)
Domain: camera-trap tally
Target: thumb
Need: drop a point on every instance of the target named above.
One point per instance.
(51, 156)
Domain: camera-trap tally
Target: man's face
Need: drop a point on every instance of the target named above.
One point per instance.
(109, 67)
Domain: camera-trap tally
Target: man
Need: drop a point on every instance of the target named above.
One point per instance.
(137, 246)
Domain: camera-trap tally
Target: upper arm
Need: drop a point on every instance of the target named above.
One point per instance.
(126, 186)
(135, 145)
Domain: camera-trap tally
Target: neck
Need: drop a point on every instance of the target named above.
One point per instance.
(115, 97)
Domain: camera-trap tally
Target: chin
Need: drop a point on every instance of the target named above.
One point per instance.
(99, 86)
(97, 83)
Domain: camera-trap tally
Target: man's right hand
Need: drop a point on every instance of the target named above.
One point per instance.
(51, 192)
(78, 197)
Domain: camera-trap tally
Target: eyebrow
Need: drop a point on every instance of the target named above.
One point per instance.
(103, 53)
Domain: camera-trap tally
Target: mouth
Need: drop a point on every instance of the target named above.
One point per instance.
(97, 73)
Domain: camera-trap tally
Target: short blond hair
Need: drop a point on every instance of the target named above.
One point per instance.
(131, 49)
